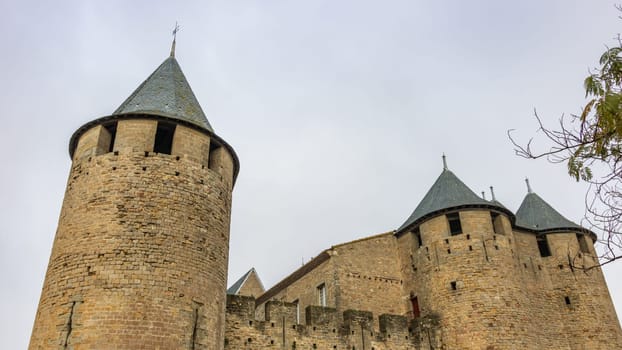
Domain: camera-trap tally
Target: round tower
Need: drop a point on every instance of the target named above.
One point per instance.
(141, 251)
(493, 279)
(577, 295)
(461, 256)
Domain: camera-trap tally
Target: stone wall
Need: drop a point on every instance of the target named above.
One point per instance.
(360, 275)
(495, 291)
(141, 251)
(323, 329)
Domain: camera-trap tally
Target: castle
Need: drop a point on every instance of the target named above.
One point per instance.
(140, 257)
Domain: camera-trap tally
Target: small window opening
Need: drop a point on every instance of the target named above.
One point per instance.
(470, 248)
(583, 247)
(414, 301)
(497, 227)
(543, 246)
(296, 302)
(567, 300)
(164, 138)
(417, 234)
(455, 228)
(453, 285)
(112, 130)
(321, 293)
(213, 148)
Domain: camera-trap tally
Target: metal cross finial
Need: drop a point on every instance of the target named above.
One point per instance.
(492, 193)
(444, 162)
(528, 185)
(175, 30)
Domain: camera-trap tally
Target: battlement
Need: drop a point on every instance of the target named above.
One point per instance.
(324, 328)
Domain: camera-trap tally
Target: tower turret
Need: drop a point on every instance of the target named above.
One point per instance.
(578, 294)
(457, 253)
(141, 251)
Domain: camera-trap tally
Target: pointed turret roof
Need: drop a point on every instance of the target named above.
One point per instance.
(166, 92)
(536, 214)
(446, 193)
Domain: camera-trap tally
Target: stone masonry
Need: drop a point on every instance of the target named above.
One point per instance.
(140, 258)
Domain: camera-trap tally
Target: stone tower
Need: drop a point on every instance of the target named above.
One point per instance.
(495, 280)
(140, 255)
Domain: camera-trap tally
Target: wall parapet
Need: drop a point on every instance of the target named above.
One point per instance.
(324, 328)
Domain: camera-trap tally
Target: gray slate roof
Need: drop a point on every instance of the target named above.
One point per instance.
(166, 92)
(235, 288)
(536, 214)
(447, 192)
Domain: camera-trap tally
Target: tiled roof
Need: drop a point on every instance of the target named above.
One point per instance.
(447, 192)
(536, 214)
(166, 92)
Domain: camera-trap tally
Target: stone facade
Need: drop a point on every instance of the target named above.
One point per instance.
(488, 287)
(140, 258)
(141, 252)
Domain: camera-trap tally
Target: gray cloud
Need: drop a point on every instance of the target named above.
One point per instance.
(339, 111)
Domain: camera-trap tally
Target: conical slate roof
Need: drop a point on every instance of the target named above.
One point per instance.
(166, 92)
(447, 192)
(536, 214)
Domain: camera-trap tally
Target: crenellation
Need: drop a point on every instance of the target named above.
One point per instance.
(323, 329)
(280, 310)
(320, 316)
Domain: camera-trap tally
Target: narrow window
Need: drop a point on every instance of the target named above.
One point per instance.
(497, 227)
(297, 311)
(453, 284)
(583, 243)
(112, 130)
(543, 246)
(415, 304)
(417, 234)
(164, 138)
(321, 294)
(455, 228)
(567, 300)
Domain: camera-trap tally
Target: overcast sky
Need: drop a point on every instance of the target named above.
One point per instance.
(339, 112)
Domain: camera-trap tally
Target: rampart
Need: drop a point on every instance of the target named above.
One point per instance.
(322, 328)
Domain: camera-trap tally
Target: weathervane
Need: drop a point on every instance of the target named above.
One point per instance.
(175, 30)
